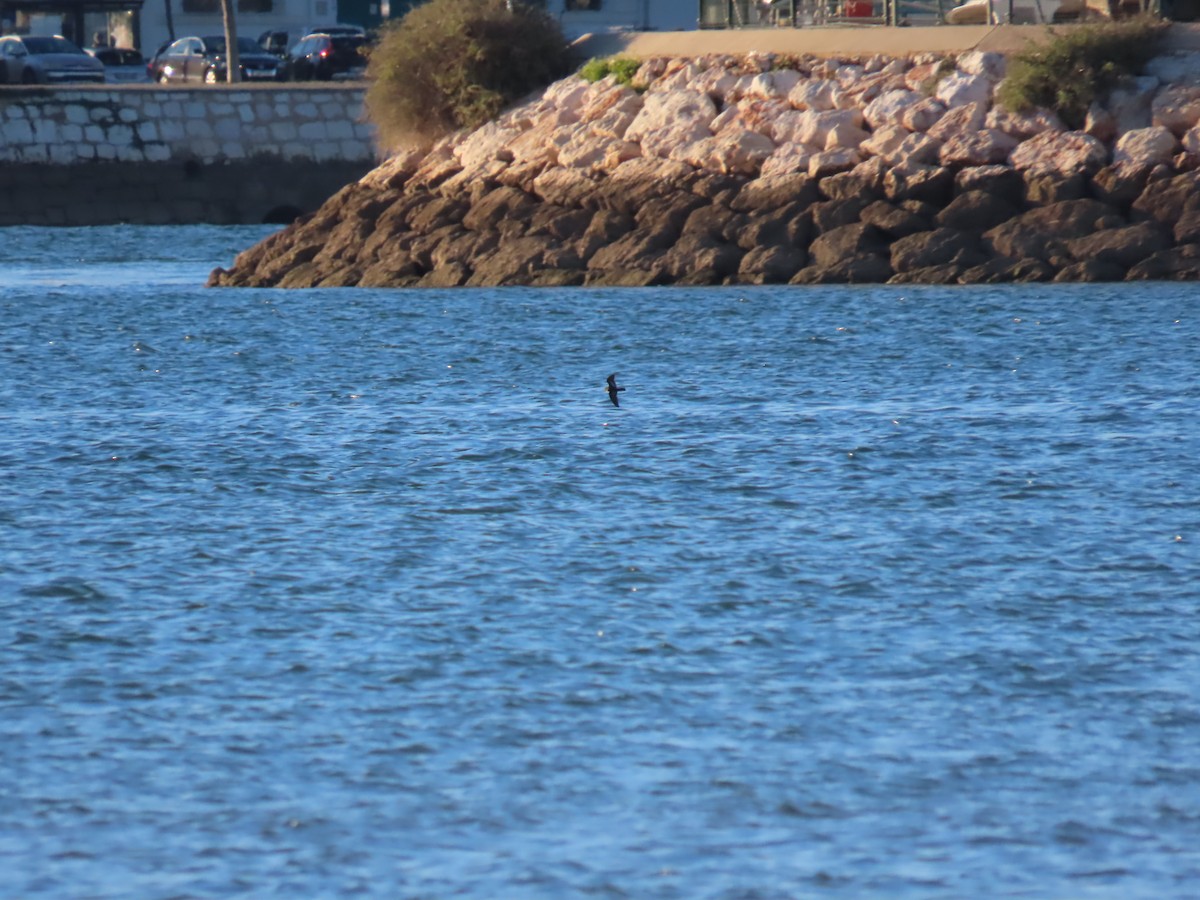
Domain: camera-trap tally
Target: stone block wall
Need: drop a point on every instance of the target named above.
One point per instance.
(95, 155)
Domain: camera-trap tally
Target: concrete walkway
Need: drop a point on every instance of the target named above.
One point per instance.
(859, 41)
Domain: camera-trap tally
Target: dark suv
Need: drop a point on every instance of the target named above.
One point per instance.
(328, 57)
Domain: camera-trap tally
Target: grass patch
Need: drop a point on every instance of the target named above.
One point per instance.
(623, 68)
(451, 64)
(1079, 66)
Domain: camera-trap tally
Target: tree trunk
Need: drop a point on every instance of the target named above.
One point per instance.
(233, 69)
(170, 21)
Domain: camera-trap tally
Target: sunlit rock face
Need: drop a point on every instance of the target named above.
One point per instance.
(727, 169)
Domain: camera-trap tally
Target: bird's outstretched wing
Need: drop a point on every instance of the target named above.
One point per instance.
(613, 389)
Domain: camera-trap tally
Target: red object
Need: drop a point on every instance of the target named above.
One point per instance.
(859, 9)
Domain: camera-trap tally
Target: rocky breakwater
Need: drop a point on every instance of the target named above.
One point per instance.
(761, 169)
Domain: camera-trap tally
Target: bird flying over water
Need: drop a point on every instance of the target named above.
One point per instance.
(613, 390)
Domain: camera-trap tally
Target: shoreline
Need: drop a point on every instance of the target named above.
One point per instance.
(775, 168)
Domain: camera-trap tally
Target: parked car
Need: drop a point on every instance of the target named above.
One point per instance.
(122, 65)
(275, 43)
(328, 57)
(30, 59)
(338, 29)
(153, 66)
(202, 59)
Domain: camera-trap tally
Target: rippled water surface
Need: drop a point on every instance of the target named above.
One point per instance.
(862, 591)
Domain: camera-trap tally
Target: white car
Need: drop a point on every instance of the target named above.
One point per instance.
(33, 59)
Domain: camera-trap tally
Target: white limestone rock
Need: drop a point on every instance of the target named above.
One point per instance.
(817, 94)
(1060, 153)
(959, 120)
(923, 114)
(992, 66)
(845, 136)
(741, 152)
(977, 148)
(1146, 146)
(917, 148)
(1191, 143)
(1177, 107)
(961, 89)
(669, 119)
(1100, 123)
(788, 159)
(1130, 103)
(1175, 68)
(889, 108)
(1023, 125)
(830, 162)
(884, 141)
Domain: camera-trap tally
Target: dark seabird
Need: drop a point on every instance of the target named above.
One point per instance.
(613, 390)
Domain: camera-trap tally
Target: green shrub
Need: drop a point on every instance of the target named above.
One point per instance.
(1079, 66)
(451, 64)
(622, 67)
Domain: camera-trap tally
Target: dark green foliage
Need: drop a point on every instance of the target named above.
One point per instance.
(451, 64)
(1079, 66)
(622, 67)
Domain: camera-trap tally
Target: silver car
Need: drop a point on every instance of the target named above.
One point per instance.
(32, 59)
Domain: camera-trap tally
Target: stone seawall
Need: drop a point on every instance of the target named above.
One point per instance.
(157, 155)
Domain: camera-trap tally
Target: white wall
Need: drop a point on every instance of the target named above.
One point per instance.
(628, 15)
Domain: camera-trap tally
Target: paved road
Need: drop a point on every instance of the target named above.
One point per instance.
(860, 41)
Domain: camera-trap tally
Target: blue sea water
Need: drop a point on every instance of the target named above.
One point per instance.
(862, 592)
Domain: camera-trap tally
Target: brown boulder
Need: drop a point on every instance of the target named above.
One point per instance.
(976, 211)
(641, 250)
(1167, 200)
(1124, 246)
(559, 222)
(776, 264)
(928, 184)
(625, 277)
(513, 262)
(1003, 181)
(943, 274)
(867, 268)
(789, 225)
(715, 221)
(1176, 264)
(776, 191)
(668, 213)
(558, 278)
(1119, 186)
(605, 227)
(1187, 229)
(450, 275)
(301, 275)
(833, 214)
(498, 205)
(397, 270)
(1001, 270)
(1091, 270)
(697, 251)
(852, 184)
(1044, 188)
(424, 245)
(437, 213)
(894, 221)
(1041, 233)
(847, 242)
(939, 247)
